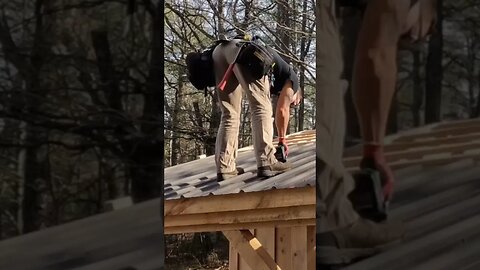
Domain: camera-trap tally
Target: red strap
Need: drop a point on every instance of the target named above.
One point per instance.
(225, 78)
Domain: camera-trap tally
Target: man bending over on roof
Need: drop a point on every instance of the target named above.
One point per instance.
(342, 235)
(285, 86)
(230, 100)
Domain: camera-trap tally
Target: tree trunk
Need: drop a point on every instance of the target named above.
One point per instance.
(36, 170)
(177, 122)
(36, 173)
(303, 51)
(146, 169)
(470, 66)
(417, 88)
(477, 107)
(283, 21)
(434, 72)
(392, 124)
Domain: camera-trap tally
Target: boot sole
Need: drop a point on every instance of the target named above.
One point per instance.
(270, 173)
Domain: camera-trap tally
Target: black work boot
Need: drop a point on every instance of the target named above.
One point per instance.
(274, 169)
(225, 176)
(361, 239)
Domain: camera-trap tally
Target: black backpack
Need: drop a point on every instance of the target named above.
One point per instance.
(200, 70)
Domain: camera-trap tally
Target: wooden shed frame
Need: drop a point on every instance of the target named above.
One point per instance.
(272, 229)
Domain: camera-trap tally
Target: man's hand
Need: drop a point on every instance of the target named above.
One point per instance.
(297, 98)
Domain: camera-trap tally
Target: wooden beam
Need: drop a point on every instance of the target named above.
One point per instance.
(299, 248)
(426, 162)
(232, 258)
(243, 216)
(266, 236)
(242, 263)
(356, 151)
(241, 201)
(418, 153)
(434, 134)
(311, 244)
(239, 226)
(251, 250)
(458, 123)
(283, 252)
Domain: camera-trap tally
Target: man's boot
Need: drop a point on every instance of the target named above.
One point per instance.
(361, 239)
(274, 169)
(225, 176)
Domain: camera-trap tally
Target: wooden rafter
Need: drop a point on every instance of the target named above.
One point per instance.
(357, 151)
(416, 153)
(440, 133)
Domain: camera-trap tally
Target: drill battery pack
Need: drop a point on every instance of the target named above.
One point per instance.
(367, 197)
(280, 154)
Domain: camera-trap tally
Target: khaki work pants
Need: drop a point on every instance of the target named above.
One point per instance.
(334, 183)
(230, 99)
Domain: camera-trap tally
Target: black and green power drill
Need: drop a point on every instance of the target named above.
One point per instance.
(367, 198)
(281, 152)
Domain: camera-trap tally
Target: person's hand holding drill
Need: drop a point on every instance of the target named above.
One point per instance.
(282, 149)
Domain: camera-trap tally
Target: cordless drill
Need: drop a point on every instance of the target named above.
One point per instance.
(367, 198)
(281, 150)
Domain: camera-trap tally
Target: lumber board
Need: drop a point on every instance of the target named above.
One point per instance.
(266, 236)
(242, 263)
(243, 216)
(402, 146)
(425, 162)
(232, 258)
(439, 133)
(241, 201)
(458, 123)
(239, 226)
(283, 251)
(456, 148)
(251, 249)
(311, 244)
(299, 248)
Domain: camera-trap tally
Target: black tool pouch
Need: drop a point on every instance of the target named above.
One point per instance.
(200, 71)
(257, 59)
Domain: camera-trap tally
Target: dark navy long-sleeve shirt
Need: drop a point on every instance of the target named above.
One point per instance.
(282, 72)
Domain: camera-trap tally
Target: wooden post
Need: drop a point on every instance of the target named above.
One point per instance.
(283, 247)
(311, 244)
